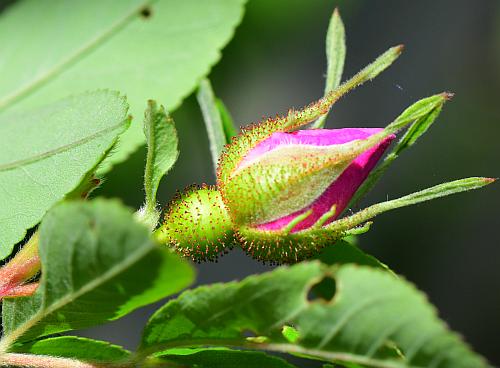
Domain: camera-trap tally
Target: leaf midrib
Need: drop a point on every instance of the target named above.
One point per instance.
(10, 338)
(61, 149)
(71, 58)
(276, 347)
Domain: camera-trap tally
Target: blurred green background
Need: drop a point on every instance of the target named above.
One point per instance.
(449, 248)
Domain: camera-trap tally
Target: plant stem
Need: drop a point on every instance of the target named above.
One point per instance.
(24, 265)
(42, 361)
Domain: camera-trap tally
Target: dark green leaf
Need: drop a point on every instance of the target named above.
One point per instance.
(79, 348)
(47, 152)
(223, 358)
(370, 312)
(342, 253)
(98, 264)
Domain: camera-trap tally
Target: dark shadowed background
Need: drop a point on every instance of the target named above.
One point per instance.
(449, 248)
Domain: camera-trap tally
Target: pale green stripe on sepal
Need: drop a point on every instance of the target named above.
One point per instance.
(253, 135)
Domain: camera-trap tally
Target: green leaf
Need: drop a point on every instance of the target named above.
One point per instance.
(74, 347)
(223, 358)
(370, 313)
(213, 120)
(340, 253)
(111, 45)
(335, 58)
(98, 265)
(162, 142)
(48, 152)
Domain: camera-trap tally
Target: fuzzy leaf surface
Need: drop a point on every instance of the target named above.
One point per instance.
(98, 264)
(371, 311)
(48, 151)
(162, 143)
(110, 44)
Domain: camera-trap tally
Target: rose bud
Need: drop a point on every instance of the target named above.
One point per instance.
(285, 188)
(290, 173)
(289, 181)
(281, 190)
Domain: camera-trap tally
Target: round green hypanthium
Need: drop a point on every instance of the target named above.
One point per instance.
(198, 225)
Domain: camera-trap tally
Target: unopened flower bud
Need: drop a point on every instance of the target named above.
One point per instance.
(290, 173)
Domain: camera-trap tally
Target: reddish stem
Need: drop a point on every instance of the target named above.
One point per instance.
(24, 265)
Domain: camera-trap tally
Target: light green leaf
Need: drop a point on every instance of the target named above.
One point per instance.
(213, 120)
(47, 152)
(370, 313)
(74, 347)
(109, 44)
(335, 58)
(98, 264)
(223, 358)
(162, 141)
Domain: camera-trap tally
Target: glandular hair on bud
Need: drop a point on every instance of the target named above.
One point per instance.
(278, 247)
(198, 225)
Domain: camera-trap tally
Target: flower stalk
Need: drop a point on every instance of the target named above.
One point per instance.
(20, 269)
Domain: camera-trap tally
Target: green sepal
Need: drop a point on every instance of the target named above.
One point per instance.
(278, 247)
(429, 109)
(282, 247)
(252, 135)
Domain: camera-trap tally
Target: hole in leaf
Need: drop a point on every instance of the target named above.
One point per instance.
(248, 333)
(250, 336)
(323, 290)
(146, 12)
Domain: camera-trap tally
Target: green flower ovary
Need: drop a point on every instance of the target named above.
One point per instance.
(198, 225)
